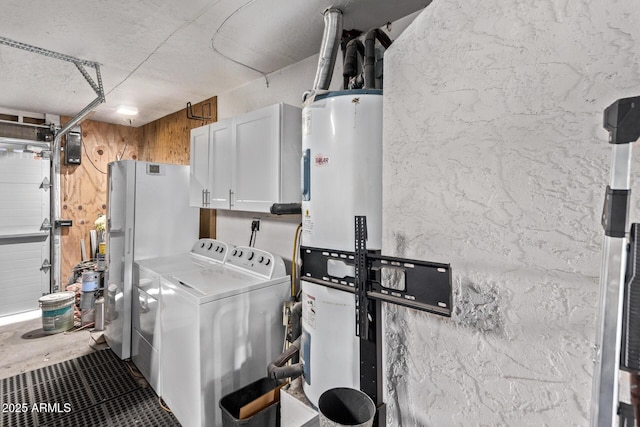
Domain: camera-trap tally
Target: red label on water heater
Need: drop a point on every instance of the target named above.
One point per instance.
(320, 160)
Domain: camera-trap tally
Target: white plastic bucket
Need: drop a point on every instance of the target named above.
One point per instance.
(57, 312)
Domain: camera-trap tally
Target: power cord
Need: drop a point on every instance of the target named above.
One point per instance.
(163, 406)
(132, 370)
(86, 152)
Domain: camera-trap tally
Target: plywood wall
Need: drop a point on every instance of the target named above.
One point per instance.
(167, 139)
(83, 188)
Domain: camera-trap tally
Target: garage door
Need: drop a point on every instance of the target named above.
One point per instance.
(24, 230)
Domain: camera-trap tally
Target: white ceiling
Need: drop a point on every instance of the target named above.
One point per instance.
(157, 55)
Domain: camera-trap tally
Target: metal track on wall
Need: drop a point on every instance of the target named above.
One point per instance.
(97, 87)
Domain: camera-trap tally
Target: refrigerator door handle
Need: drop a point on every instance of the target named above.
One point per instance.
(129, 242)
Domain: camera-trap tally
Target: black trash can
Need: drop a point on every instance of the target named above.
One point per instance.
(233, 402)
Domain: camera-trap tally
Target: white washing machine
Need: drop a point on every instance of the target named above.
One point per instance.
(221, 326)
(145, 332)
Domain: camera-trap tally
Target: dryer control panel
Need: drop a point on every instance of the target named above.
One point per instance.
(212, 249)
(257, 261)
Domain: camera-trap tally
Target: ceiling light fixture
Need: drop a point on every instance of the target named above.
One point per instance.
(127, 110)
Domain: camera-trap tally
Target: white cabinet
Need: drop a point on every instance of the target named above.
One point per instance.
(248, 162)
(199, 166)
(210, 161)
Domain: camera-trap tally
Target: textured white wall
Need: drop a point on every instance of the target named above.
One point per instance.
(495, 160)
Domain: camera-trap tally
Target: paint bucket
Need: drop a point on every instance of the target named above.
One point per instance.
(57, 312)
(345, 406)
(90, 281)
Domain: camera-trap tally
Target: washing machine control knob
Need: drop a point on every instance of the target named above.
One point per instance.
(268, 261)
(210, 246)
(251, 255)
(261, 259)
(235, 252)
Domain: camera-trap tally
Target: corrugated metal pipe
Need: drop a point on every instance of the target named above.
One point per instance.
(328, 48)
(370, 55)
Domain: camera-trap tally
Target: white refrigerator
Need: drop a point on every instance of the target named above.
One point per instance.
(148, 215)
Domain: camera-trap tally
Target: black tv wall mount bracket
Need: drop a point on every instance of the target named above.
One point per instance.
(421, 285)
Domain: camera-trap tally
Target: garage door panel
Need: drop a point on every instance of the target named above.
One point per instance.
(12, 270)
(23, 208)
(24, 247)
(21, 170)
(20, 193)
(22, 225)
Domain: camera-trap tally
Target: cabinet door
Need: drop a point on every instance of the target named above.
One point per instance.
(221, 164)
(199, 167)
(255, 181)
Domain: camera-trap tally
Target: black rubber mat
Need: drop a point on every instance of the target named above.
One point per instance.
(93, 390)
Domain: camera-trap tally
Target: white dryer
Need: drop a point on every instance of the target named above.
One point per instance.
(221, 326)
(145, 332)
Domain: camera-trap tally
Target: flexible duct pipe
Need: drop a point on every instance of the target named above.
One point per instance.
(328, 48)
(353, 49)
(289, 371)
(277, 371)
(370, 55)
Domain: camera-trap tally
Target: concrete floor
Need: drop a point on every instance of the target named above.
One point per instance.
(24, 346)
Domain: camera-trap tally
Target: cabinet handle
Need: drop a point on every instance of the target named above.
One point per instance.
(208, 197)
(203, 197)
(230, 198)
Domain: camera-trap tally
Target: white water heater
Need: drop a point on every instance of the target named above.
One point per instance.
(342, 178)
(342, 168)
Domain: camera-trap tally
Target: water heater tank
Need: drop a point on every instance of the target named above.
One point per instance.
(342, 168)
(330, 352)
(342, 178)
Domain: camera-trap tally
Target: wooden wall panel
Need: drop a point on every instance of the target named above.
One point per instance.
(84, 187)
(167, 139)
